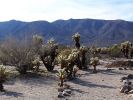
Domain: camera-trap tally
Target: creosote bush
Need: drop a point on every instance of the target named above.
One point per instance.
(18, 53)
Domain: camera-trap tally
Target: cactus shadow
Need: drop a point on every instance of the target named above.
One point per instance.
(11, 93)
(89, 84)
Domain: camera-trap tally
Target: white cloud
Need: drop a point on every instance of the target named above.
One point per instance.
(30, 10)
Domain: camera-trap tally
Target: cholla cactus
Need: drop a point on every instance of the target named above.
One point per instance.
(83, 51)
(37, 43)
(48, 54)
(67, 59)
(36, 64)
(62, 60)
(95, 51)
(37, 39)
(3, 77)
(61, 75)
(94, 62)
(76, 38)
(73, 56)
(125, 46)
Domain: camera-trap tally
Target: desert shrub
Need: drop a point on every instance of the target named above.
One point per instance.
(3, 77)
(17, 53)
(115, 51)
(37, 41)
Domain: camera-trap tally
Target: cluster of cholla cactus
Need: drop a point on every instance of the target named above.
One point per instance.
(81, 59)
(94, 62)
(3, 77)
(68, 59)
(126, 48)
(95, 51)
(47, 52)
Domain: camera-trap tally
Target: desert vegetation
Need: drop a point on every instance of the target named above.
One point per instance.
(65, 64)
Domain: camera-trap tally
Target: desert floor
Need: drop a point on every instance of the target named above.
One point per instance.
(104, 85)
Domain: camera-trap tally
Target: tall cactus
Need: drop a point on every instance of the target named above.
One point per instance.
(125, 46)
(76, 38)
(83, 51)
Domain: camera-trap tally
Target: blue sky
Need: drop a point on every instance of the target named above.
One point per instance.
(51, 10)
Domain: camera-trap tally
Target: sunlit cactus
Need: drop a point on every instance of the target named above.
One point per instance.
(61, 75)
(95, 51)
(3, 77)
(76, 38)
(48, 54)
(73, 56)
(94, 62)
(62, 60)
(125, 46)
(67, 59)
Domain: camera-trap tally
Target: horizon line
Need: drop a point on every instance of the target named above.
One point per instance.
(65, 20)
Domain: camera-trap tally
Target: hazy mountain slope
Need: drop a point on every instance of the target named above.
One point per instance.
(98, 32)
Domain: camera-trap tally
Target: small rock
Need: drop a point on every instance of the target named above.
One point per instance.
(65, 93)
(124, 89)
(130, 92)
(130, 95)
(60, 89)
(125, 68)
(120, 68)
(66, 86)
(60, 95)
(123, 78)
(130, 76)
(68, 91)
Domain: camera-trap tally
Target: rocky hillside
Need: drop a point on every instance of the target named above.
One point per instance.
(96, 32)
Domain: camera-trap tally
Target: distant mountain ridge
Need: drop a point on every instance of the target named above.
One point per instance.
(93, 31)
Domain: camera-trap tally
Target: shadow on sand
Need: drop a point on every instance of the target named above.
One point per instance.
(11, 93)
(89, 84)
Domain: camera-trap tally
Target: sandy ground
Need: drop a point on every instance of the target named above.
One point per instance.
(103, 85)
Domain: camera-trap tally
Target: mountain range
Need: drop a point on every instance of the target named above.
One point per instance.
(92, 31)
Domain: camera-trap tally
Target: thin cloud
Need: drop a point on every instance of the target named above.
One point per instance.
(50, 10)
